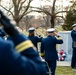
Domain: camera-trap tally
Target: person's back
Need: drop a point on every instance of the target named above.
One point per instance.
(48, 49)
(49, 44)
(73, 35)
(13, 62)
(33, 38)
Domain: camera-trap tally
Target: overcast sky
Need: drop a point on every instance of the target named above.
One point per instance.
(39, 2)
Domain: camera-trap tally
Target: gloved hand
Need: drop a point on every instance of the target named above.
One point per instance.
(9, 28)
(56, 34)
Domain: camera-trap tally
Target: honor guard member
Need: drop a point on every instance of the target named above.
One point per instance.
(73, 35)
(48, 48)
(11, 61)
(33, 38)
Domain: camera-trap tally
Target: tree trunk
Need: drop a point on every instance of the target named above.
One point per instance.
(52, 21)
(17, 22)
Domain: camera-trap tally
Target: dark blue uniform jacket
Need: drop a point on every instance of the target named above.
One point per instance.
(35, 40)
(73, 35)
(14, 63)
(2, 33)
(48, 47)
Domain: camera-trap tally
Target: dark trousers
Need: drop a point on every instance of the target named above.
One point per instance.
(73, 61)
(52, 66)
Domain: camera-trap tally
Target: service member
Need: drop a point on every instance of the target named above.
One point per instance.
(73, 35)
(11, 61)
(35, 39)
(48, 47)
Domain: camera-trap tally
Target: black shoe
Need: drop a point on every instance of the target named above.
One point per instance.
(74, 69)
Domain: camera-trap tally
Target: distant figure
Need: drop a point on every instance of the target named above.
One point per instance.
(73, 35)
(33, 38)
(48, 48)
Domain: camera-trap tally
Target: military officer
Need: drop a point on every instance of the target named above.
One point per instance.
(11, 61)
(48, 47)
(73, 35)
(35, 39)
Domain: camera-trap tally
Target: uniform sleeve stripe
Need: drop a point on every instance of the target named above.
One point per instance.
(24, 48)
(24, 45)
(41, 54)
(59, 38)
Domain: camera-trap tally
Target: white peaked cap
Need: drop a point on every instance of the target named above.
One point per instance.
(32, 28)
(73, 25)
(50, 30)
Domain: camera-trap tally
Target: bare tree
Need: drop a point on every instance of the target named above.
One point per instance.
(51, 12)
(18, 9)
(46, 21)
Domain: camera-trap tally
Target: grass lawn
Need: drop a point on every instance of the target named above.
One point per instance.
(64, 71)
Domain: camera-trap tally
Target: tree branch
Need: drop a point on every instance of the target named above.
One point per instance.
(41, 10)
(60, 12)
(21, 5)
(15, 7)
(7, 10)
(28, 12)
(53, 8)
(19, 2)
(26, 9)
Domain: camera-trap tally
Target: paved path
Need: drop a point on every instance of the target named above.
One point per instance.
(63, 63)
